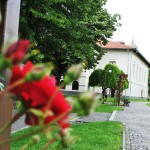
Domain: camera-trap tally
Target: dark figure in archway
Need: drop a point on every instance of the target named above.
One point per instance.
(104, 93)
(112, 92)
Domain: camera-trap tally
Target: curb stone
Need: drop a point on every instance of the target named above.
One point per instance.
(124, 138)
(20, 129)
(112, 115)
(123, 134)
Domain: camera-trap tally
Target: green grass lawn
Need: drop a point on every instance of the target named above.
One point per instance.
(148, 104)
(90, 136)
(108, 108)
(109, 99)
(137, 100)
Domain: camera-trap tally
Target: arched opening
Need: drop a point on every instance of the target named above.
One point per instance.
(75, 85)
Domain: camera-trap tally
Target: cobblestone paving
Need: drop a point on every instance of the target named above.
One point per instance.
(136, 118)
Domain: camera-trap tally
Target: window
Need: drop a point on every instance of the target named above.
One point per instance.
(145, 76)
(137, 71)
(133, 71)
(140, 74)
(75, 85)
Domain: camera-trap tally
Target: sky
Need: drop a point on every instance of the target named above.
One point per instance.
(135, 20)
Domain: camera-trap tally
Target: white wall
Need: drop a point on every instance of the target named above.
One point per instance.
(130, 63)
(138, 77)
(121, 58)
(133, 66)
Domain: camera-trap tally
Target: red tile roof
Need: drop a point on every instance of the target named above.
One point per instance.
(115, 45)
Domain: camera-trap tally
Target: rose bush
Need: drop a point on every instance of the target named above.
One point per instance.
(42, 95)
(40, 99)
(17, 51)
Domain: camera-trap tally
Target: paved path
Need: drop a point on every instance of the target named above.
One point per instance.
(136, 118)
(94, 117)
(19, 124)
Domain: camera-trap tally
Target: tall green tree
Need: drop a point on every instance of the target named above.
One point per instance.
(95, 79)
(111, 72)
(110, 77)
(66, 31)
(107, 78)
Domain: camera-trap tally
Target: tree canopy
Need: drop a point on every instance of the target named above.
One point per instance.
(111, 72)
(95, 78)
(107, 78)
(66, 31)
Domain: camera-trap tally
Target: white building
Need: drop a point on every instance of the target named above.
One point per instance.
(128, 59)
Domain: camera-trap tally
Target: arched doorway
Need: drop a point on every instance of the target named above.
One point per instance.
(75, 85)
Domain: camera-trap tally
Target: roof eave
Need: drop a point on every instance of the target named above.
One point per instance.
(132, 49)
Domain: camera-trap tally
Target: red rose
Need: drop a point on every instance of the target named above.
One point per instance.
(59, 106)
(16, 52)
(37, 94)
(19, 72)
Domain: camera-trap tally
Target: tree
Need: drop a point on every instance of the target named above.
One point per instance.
(126, 82)
(107, 78)
(95, 78)
(111, 72)
(66, 31)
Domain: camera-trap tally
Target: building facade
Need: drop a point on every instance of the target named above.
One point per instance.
(128, 59)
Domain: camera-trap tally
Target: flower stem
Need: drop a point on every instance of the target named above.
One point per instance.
(47, 144)
(35, 131)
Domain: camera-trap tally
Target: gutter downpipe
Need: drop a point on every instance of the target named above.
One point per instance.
(129, 71)
(130, 74)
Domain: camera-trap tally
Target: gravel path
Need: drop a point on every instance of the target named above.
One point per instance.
(95, 117)
(91, 118)
(136, 118)
(19, 124)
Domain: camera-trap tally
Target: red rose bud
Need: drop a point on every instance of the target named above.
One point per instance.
(16, 52)
(38, 72)
(78, 108)
(36, 138)
(66, 138)
(86, 101)
(73, 73)
(35, 75)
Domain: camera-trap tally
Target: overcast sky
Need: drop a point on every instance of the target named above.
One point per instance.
(135, 23)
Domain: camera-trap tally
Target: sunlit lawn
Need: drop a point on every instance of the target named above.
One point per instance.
(137, 100)
(148, 104)
(108, 108)
(90, 136)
